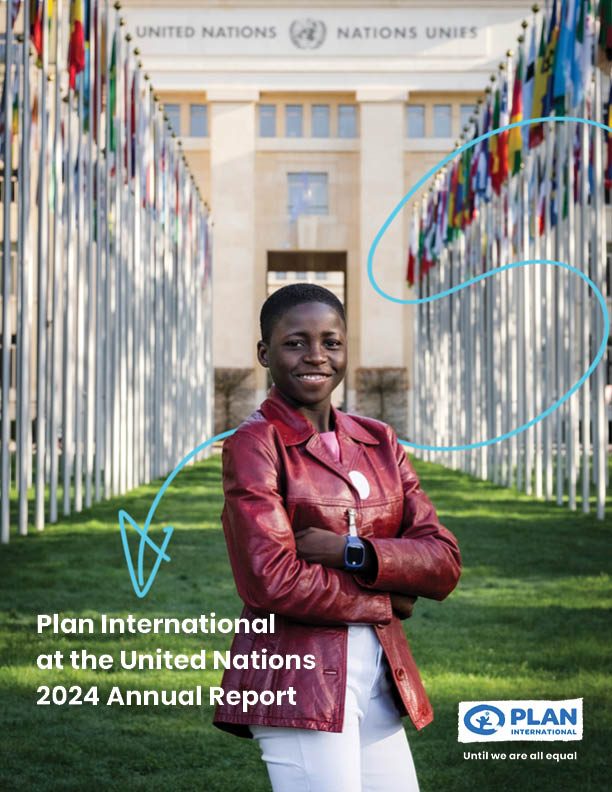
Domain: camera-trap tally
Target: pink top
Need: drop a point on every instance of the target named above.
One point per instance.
(330, 441)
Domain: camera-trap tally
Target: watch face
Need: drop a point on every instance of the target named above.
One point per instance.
(354, 555)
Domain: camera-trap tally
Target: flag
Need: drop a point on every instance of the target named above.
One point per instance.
(15, 6)
(413, 249)
(582, 63)
(457, 220)
(605, 27)
(515, 137)
(481, 169)
(536, 131)
(452, 196)
(549, 62)
(504, 120)
(112, 97)
(527, 98)
(499, 148)
(86, 74)
(564, 55)
(76, 45)
(440, 231)
(543, 190)
(36, 27)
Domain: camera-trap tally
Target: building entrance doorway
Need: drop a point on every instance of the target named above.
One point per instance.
(325, 268)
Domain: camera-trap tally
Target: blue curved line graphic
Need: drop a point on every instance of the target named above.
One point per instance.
(125, 520)
(600, 298)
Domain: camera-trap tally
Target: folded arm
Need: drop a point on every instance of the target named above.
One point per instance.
(261, 544)
(424, 559)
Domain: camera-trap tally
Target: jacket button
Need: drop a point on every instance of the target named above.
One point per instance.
(400, 673)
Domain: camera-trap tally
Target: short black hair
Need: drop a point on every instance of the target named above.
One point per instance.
(288, 297)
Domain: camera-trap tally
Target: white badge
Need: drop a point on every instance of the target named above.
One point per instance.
(361, 483)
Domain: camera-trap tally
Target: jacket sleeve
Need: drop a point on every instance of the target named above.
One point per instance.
(424, 559)
(261, 545)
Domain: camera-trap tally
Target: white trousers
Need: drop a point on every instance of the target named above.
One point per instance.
(371, 754)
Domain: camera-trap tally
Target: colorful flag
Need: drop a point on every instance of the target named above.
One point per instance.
(36, 27)
(544, 188)
(527, 98)
(112, 97)
(582, 64)
(499, 149)
(452, 195)
(76, 45)
(481, 168)
(549, 62)
(515, 137)
(413, 249)
(564, 55)
(536, 131)
(440, 233)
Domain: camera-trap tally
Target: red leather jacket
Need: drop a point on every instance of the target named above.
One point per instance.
(279, 477)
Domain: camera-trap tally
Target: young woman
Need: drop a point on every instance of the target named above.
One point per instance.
(328, 528)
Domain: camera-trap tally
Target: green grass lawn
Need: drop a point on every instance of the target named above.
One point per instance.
(530, 619)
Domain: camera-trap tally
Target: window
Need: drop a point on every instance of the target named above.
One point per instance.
(198, 120)
(465, 112)
(320, 121)
(320, 275)
(302, 276)
(415, 115)
(442, 127)
(293, 120)
(173, 111)
(347, 121)
(281, 275)
(267, 120)
(307, 194)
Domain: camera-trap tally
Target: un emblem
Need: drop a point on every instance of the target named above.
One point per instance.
(307, 33)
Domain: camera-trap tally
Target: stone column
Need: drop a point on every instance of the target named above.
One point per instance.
(232, 162)
(381, 379)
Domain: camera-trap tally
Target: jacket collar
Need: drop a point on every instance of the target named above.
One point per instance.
(294, 428)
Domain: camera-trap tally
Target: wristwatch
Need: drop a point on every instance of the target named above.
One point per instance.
(354, 553)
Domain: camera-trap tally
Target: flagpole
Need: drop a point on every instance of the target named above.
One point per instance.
(548, 313)
(24, 295)
(585, 320)
(512, 308)
(560, 320)
(572, 336)
(68, 359)
(41, 379)
(91, 291)
(6, 278)
(599, 262)
(110, 229)
(81, 265)
(100, 212)
(117, 324)
(57, 301)
(158, 425)
(538, 352)
(128, 442)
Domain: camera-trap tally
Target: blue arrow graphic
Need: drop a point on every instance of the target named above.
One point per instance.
(125, 520)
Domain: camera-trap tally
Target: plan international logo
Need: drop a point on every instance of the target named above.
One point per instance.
(504, 721)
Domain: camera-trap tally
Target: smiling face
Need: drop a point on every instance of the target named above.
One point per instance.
(306, 354)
